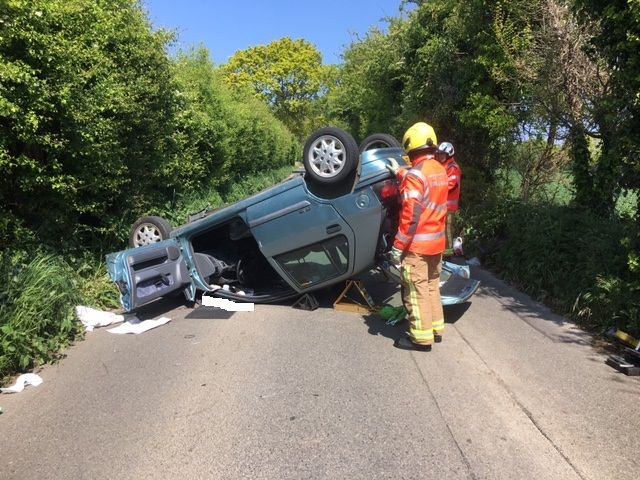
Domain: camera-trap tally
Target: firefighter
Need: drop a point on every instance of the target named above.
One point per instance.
(454, 175)
(420, 241)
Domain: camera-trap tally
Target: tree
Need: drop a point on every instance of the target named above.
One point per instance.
(434, 65)
(618, 42)
(287, 74)
(368, 95)
(448, 56)
(218, 136)
(561, 88)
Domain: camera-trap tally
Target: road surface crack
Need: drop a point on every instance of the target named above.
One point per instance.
(524, 409)
(462, 454)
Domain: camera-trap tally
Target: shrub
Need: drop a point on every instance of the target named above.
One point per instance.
(219, 139)
(98, 125)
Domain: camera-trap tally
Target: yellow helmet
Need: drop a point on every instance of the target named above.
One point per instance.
(420, 135)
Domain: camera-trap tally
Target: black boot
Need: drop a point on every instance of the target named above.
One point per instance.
(437, 338)
(406, 344)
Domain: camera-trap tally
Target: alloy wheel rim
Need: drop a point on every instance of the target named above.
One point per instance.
(327, 156)
(146, 234)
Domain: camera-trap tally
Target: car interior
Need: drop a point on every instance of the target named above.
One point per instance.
(228, 254)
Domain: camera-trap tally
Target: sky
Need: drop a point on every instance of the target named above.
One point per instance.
(225, 27)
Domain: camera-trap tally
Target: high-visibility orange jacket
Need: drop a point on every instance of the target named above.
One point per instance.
(454, 174)
(424, 190)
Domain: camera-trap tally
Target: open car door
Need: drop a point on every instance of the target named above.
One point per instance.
(456, 286)
(146, 273)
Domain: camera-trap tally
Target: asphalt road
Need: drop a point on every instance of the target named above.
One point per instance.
(513, 392)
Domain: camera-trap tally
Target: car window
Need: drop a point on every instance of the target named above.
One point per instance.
(318, 262)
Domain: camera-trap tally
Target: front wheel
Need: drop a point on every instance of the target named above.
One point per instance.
(330, 155)
(149, 229)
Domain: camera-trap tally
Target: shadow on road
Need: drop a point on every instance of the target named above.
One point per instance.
(160, 307)
(528, 309)
(381, 290)
(378, 326)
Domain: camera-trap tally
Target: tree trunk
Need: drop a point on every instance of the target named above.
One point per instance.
(581, 160)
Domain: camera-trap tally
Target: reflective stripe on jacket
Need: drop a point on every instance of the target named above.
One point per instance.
(423, 190)
(454, 174)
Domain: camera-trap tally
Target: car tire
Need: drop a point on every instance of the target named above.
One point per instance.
(330, 155)
(379, 140)
(149, 229)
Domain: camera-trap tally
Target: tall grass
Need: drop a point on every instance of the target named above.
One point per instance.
(94, 285)
(36, 312)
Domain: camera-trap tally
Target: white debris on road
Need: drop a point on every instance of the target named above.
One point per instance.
(139, 327)
(91, 318)
(227, 305)
(22, 381)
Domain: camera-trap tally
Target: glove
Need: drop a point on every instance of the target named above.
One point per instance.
(457, 246)
(393, 166)
(396, 255)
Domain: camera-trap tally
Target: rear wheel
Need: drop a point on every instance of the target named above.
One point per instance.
(149, 229)
(379, 140)
(330, 155)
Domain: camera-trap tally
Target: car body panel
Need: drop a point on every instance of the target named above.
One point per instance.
(456, 284)
(374, 165)
(237, 209)
(456, 289)
(363, 212)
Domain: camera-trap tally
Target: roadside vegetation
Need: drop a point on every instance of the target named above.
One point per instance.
(540, 99)
(99, 125)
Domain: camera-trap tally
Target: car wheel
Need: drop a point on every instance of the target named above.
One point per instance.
(330, 155)
(148, 230)
(379, 140)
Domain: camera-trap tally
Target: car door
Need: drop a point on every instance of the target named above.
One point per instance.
(146, 273)
(304, 238)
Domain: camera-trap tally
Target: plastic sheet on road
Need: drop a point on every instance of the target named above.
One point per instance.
(228, 305)
(22, 381)
(91, 318)
(139, 327)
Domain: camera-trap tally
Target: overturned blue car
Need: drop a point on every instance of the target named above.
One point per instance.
(335, 219)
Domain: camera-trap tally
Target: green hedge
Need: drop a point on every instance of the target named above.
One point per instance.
(220, 137)
(98, 125)
(86, 106)
(579, 263)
